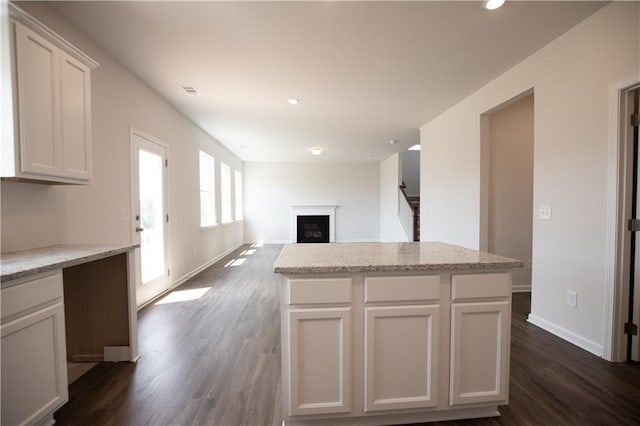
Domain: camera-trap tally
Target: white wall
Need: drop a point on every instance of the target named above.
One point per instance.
(411, 172)
(510, 185)
(37, 215)
(272, 188)
(391, 228)
(571, 78)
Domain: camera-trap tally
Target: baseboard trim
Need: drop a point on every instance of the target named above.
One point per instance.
(204, 266)
(521, 288)
(568, 335)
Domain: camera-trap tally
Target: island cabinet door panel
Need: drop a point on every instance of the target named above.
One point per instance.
(39, 111)
(401, 357)
(479, 352)
(34, 369)
(320, 367)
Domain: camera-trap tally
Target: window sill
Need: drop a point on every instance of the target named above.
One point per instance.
(204, 228)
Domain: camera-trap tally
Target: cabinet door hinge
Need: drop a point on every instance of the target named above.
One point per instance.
(635, 120)
(631, 328)
(168, 272)
(633, 225)
(167, 218)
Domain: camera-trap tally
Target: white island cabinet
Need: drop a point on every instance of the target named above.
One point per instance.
(52, 107)
(393, 333)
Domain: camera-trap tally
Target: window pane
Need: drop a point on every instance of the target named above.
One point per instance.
(207, 191)
(151, 212)
(239, 212)
(225, 192)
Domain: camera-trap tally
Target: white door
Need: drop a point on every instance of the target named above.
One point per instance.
(401, 353)
(150, 216)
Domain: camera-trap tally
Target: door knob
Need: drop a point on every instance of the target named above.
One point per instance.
(139, 229)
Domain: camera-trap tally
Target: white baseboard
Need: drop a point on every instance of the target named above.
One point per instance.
(204, 266)
(568, 335)
(521, 288)
(358, 240)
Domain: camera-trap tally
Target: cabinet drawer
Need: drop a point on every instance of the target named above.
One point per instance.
(475, 286)
(401, 289)
(319, 290)
(33, 293)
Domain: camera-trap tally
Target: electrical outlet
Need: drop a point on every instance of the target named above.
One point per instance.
(544, 212)
(572, 299)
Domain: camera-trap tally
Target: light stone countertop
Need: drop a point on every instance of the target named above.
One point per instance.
(23, 263)
(386, 257)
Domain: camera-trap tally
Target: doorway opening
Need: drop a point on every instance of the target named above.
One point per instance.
(506, 212)
(151, 219)
(626, 312)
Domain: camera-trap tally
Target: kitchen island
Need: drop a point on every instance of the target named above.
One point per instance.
(62, 303)
(393, 333)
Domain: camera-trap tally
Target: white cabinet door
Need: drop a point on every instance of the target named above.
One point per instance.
(401, 357)
(76, 118)
(320, 361)
(479, 352)
(34, 370)
(38, 97)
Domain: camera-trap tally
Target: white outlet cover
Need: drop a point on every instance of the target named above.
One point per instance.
(544, 212)
(572, 299)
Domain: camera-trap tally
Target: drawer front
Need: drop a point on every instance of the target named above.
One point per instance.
(319, 290)
(31, 294)
(402, 289)
(478, 286)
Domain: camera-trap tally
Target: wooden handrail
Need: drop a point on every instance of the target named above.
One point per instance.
(414, 210)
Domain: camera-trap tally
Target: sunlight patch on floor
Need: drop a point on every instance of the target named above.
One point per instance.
(235, 262)
(183, 295)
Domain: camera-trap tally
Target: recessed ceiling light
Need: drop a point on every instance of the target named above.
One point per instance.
(293, 101)
(492, 4)
(316, 150)
(415, 147)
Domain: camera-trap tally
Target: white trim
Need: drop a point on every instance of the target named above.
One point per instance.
(33, 24)
(204, 266)
(568, 335)
(521, 288)
(614, 257)
(313, 211)
(189, 275)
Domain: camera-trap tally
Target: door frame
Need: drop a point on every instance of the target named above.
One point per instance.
(134, 193)
(617, 259)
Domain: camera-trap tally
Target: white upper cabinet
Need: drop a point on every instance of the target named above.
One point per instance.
(52, 107)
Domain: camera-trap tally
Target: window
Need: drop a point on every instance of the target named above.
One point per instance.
(239, 212)
(225, 192)
(207, 190)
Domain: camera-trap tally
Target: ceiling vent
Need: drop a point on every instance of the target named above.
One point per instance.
(190, 90)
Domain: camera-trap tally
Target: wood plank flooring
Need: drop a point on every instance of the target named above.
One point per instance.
(216, 361)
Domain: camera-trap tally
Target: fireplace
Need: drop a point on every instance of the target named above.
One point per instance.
(312, 229)
(327, 227)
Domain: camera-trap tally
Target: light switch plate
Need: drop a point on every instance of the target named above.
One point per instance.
(544, 212)
(125, 213)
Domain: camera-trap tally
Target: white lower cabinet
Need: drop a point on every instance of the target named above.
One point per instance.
(401, 359)
(320, 367)
(479, 352)
(382, 349)
(33, 351)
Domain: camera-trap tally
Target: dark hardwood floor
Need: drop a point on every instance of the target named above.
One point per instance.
(216, 361)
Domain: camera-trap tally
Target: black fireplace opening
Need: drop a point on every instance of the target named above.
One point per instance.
(313, 229)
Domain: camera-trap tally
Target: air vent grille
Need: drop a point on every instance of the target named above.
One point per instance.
(190, 90)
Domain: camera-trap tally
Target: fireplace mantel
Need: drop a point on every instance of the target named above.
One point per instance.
(314, 211)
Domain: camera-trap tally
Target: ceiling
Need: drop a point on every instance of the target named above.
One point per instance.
(365, 72)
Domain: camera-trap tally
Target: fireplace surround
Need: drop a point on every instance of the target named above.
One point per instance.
(313, 210)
